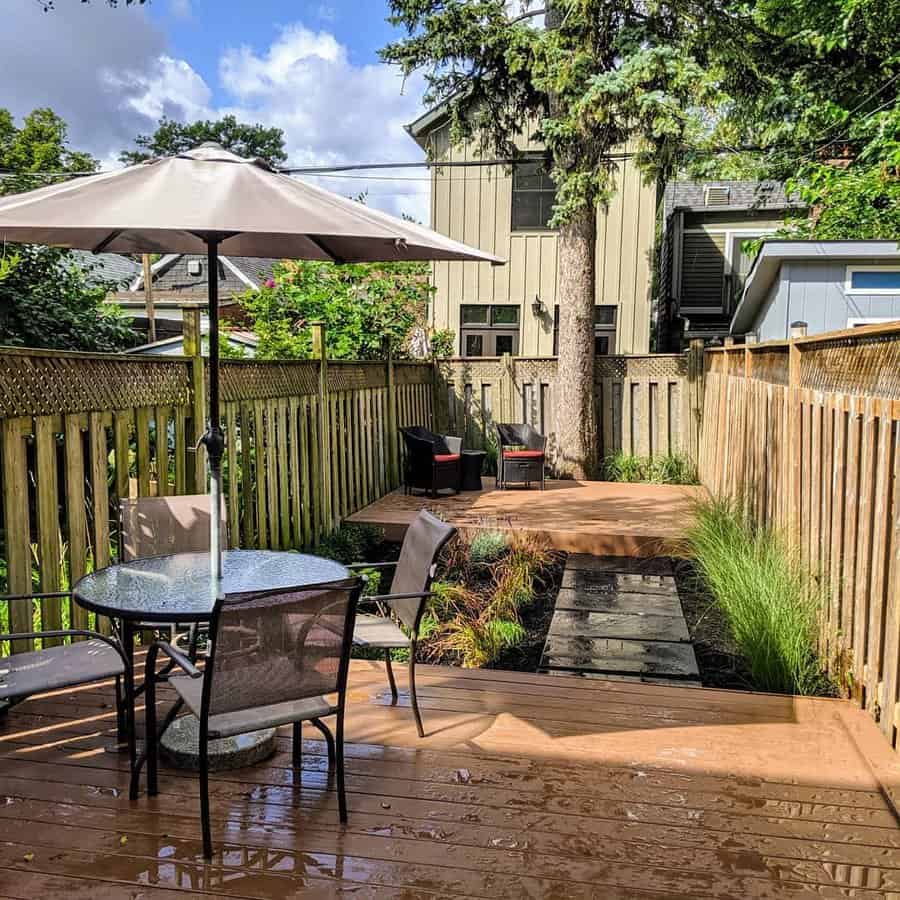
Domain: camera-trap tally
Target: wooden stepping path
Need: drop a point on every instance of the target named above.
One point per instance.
(620, 617)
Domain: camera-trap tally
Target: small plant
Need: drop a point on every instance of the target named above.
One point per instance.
(668, 469)
(488, 546)
(351, 544)
(769, 601)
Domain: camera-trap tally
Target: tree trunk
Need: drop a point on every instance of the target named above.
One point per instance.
(576, 422)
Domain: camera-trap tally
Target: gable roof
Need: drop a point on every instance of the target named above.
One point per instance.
(692, 196)
(768, 262)
(250, 270)
(106, 267)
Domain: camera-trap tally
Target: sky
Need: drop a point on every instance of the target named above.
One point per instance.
(309, 66)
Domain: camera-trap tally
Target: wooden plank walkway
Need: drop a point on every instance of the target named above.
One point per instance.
(597, 517)
(619, 616)
(526, 786)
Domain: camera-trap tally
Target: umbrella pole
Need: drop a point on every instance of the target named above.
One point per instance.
(214, 439)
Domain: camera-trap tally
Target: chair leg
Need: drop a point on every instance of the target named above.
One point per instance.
(297, 746)
(131, 737)
(120, 712)
(204, 792)
(329, 742)
(390, 675)
(339, 754)
(412, 690)
(150, 742)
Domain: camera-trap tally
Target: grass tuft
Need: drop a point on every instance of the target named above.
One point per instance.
(769, 601)
(670, 469)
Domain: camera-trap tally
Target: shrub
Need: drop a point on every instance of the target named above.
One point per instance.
(768, 600)
(669, 469)
(488, 546)
(351, 544)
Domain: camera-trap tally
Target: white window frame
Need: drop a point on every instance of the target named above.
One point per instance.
(856, 321)
(852, 291)
(730, 235)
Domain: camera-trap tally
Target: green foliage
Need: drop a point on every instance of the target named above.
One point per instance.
(351, 544)
(171, 138)
(8, 262)
(46, 300)
(669, 469)
(443, 343)
(769, 601)
(39, 145)
(488, 546)
(361, 306)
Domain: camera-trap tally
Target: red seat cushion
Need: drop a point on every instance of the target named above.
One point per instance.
(446, 457)
(523, 454)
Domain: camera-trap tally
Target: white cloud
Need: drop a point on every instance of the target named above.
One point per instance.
(181, 9)
(111, 75)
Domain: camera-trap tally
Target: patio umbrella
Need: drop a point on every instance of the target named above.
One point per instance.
(206, 201)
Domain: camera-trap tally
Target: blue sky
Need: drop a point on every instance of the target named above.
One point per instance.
(309, 67)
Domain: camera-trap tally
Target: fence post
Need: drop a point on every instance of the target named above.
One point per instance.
(193, 347)
(441, 415)
(749, 341)
(695, 367)
(324, 429)
(798, 330)
(507, 389)
(392, 426)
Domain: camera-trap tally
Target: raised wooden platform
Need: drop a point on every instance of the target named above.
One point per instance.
(602, 518)
(526, 786)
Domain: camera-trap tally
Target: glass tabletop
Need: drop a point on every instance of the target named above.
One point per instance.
(180, 587)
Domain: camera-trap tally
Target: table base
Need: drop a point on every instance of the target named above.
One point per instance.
(179, 747)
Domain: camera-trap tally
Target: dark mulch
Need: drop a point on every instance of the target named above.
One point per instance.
(526, 655)
(721, 664)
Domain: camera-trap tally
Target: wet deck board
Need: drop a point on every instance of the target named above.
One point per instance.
(526, 785)
(590, 517)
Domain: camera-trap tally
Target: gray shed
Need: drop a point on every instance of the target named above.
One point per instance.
(829, 285)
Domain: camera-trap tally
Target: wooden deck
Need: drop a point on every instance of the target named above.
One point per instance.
(527, 786)
(598, 517)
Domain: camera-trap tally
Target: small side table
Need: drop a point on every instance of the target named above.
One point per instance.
(472, 464)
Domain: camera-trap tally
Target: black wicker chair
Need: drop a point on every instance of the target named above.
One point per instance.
(433, 462)
(521, 455)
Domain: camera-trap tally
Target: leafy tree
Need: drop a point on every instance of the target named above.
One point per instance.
(171, 138)
(603, 74)
(39, 145)
(46, 300)
(360, 304)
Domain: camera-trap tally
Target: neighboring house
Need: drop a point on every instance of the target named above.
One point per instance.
(243, 341)
(513, 308)
(702, 266)
(829, 285)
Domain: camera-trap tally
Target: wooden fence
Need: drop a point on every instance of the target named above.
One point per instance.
(308, 443)
(806, 433)
(646, 405)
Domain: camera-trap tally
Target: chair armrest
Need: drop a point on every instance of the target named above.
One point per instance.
(385, 598)
(46, 596)
(177, 657)
(69, 632)
(375, 565)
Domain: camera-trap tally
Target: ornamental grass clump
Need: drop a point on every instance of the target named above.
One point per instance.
(769, 601)
(667, 469)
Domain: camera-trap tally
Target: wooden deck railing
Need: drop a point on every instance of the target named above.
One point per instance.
(308, 443)
(806, 433)
(646, 405)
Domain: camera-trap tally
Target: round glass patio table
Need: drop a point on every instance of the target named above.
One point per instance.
(180, 588)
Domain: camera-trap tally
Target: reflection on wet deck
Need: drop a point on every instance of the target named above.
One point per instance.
(526, 786)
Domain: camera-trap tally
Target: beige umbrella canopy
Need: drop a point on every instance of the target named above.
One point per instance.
(206, 201)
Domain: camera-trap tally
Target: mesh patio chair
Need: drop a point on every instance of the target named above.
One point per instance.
(275, 658)
(158, 526)
(521, 455)
(408, 598)
(98, 657)
(432, 462)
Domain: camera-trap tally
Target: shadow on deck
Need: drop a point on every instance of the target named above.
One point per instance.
(524, 786)
(598, 517)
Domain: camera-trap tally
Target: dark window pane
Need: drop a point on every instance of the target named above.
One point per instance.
(505, 315)
(504, 344)
(474, 315)
(526, 210)
(601, 345)
(527, 177)
(473, 346)
(604, 315)
(875, 280)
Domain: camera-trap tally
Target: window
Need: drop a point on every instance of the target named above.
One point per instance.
(873, 280)
(533, 195)
(604, 330)
(489, 330)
